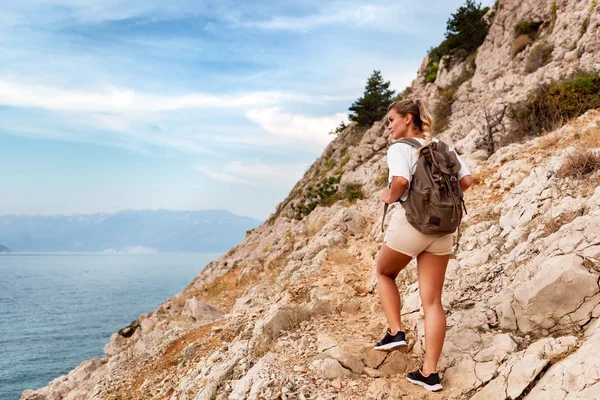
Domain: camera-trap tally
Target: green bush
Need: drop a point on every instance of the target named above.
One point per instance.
(528, 28)
(540, 55)
(551, 105)
(403, 94)
(443, 108)
(340, 128)
(345, 160)
(329, 163)
(325, 193)
(374, 103)
(465, 32)
(353, 192)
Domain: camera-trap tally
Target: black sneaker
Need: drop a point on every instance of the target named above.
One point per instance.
(431, 382)
(390, 342)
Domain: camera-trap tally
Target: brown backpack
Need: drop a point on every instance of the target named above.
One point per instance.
(435, 199)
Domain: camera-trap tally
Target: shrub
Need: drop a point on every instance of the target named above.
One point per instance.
(353, 192)
(579, 163)
(552, 104)
(584, 26)
(329, 163)
(374, 103)
(443, 108)
(345, 160)
(340, 128)
(465, 32)
(382, 179)
(528, 28)
(325, 193)
(519, 45)
(540, 55)
(403, 94)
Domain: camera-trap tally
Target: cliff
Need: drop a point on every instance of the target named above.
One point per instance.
(293, 312)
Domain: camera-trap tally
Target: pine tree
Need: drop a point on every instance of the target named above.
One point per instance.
(374, 103)
(466, 29)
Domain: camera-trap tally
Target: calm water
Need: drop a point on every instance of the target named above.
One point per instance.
(58, 310)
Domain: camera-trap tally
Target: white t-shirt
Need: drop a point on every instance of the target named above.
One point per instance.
(402, 161)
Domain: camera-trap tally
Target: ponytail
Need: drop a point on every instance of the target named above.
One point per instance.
(426, 121)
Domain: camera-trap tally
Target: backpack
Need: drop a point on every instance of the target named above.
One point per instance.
(435, 204)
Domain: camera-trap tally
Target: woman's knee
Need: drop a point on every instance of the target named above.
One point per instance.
(383, 269)
(431, 301)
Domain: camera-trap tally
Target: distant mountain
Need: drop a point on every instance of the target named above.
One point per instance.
(149, 230)
(4, 249)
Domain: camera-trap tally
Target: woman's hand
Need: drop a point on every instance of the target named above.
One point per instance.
(385, 196)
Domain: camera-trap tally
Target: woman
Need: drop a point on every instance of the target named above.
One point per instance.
(402, 242)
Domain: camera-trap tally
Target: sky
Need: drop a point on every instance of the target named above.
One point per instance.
(187, 105)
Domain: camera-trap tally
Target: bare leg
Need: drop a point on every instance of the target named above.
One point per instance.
(389, 265)
(431, 270)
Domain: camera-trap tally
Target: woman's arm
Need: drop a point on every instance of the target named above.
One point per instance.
(399, 185)
(465, 182)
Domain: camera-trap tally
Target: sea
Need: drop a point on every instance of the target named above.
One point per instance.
(57, 310)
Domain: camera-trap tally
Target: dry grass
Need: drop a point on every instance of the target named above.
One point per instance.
(554, 224)
(580, 163)
(539, 56)
(590, 138)
(519, 44)
(315, 226)
(382, 179)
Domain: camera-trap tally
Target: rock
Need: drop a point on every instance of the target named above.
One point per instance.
(346, 359)
(462, 376)
(576, 376)
(253, 381)
(330, 368)
(523, 367)
(396, 362)
(32, 395)
(201, 312)
(372, 358)
(560, 287)
(501, 346)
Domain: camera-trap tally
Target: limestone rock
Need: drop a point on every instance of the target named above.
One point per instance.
(200, 311)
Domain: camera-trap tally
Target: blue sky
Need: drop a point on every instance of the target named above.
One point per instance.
(187, 105)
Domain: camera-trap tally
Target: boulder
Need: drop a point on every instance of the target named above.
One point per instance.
(200, 312)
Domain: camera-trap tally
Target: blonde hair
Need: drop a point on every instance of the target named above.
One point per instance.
(422, 117)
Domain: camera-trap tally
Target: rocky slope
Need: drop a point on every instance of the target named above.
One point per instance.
(292, 312)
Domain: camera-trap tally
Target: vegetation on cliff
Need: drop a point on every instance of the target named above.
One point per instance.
(465, 32)
(551, 105)
(372, 106)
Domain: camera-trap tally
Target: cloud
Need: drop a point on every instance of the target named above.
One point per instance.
(276, 176)
(296, 127)
(114, 99)
(385, 16)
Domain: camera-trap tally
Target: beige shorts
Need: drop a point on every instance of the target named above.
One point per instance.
(404, 238)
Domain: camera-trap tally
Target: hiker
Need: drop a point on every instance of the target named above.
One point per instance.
(410, 122)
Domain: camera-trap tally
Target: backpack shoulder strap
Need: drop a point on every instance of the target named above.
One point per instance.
(411, 142)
